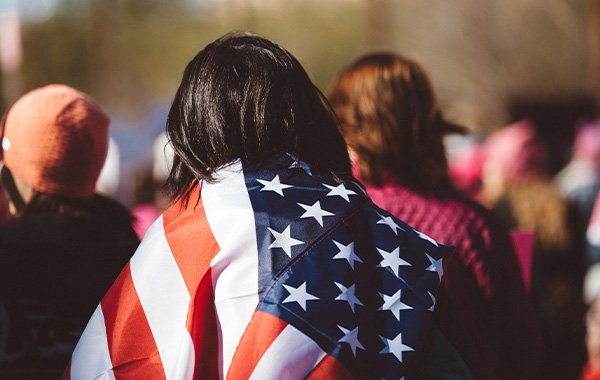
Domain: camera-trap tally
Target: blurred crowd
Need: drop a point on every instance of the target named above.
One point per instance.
(520, 297)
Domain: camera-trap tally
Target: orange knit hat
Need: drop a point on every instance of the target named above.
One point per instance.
(55, 140)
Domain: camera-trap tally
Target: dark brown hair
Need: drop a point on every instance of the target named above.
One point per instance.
(389, 117)
(244, 97)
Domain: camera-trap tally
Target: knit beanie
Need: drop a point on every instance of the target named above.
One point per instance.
(55, 140)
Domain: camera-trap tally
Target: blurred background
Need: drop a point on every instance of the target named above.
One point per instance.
(490, 62)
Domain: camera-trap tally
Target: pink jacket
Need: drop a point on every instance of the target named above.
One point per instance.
(482, 307)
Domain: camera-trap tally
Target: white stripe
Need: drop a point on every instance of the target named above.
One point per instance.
(91, 359)
(235, 268)
(292, 355)
(165, 299)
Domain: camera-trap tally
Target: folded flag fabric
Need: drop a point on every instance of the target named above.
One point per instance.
(268, 273)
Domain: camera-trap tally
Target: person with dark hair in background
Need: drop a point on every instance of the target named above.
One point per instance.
(394, 128)
(63, 245)
(271, 263)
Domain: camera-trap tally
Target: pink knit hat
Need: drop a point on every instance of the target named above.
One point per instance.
(55, 139)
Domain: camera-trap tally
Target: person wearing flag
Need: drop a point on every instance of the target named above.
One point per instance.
(272, 262)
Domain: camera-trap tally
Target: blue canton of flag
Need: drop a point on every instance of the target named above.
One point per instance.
(356, 280)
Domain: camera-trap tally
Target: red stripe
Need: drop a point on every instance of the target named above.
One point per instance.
(329, 368)
(132, 348)
(202, 324)
(190, 238)
(262, 330)
(194, 247)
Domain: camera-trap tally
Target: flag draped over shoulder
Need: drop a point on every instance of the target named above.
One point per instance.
(269, 273)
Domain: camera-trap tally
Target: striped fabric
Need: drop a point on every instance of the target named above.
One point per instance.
(269, 273)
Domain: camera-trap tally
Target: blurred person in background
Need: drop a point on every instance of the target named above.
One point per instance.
(591, 293)
(150, 193)
(394, 129)
(64, 245)
(272, 262)
(465, 162)
(592, 235)
(579, 180)
(144, 209)
(518, 189)
(110, 175)
(152, 196)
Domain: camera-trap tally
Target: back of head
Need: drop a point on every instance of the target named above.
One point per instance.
(244, 97)
(55, 140)
(587, 143)
(515, 152)
(389, 117)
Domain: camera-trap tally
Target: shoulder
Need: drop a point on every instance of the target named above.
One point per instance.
(354, 273)
(104, 208)
(110, 219)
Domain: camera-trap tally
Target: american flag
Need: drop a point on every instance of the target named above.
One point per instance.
(269, 273)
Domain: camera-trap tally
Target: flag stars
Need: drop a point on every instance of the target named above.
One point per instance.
(348, 296)
(432, 297)
(395, 347)
(284, 241)
(392, 260)
(425, 237)
(388, 221)
(299, 295)
(301, 165)
(347, 253)
(274, 185)
(314, 211)
(394, 304)
(351, 338)
(436, 266)
(340, 191)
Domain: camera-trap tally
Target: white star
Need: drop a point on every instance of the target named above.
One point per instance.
(432, 301)
(351, 337)
(436, 266)
(284, 241)
(274, 185)
(301, 165)
(387, 220)
(395, 347)
(314, 211)
(348, 296)
(339, 190)
(394, 303)
(392, 260)
(299, 295)
(347, 252)
(423, 236)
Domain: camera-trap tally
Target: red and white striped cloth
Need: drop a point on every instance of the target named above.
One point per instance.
(215, 290)
(147, 326)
